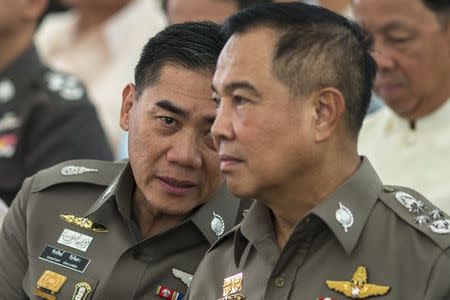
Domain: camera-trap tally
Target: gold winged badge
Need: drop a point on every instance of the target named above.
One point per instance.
(358, 288)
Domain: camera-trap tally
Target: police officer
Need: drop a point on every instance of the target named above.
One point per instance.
(91, 229)
(293, 84)
(45, 117)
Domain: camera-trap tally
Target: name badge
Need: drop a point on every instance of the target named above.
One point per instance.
(75, 240)
(65, 259)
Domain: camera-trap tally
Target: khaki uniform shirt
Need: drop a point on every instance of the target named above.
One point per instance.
(380, 234)
(45, 118)
(117, 264)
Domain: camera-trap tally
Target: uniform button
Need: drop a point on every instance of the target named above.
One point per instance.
(279, 282)
(136, 254)
(388, 189)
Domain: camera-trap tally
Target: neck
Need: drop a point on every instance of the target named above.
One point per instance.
(150, 221)
(295, 199)
(13, 44)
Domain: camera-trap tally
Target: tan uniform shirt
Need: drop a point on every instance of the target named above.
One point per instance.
(380, 234)
(117, 264)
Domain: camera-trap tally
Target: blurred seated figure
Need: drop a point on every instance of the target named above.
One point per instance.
(408, 140)
(100, 41)
(45, 116)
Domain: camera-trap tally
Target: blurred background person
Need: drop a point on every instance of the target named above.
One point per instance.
(100, 40)
(45, 117)
(408, 141)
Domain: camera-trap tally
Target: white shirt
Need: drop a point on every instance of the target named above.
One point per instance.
(104, 57)
(418, 158)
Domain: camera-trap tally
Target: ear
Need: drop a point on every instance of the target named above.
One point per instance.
(329, 107)
(128, 100)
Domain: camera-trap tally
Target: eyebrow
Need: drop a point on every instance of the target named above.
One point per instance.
(169, 106)
(395, 25)
(239, 85)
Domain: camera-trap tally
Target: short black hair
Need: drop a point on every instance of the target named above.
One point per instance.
(191, 45)
(317, 48)
(241, 3)
(441, 8)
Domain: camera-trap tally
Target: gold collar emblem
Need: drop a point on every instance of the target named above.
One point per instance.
(358, 288)
(84, 223)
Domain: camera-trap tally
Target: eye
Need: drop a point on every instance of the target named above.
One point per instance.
(169, 121)
(239, 99)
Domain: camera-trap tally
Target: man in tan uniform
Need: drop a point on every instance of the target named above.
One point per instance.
(293, 84)
(138, 229)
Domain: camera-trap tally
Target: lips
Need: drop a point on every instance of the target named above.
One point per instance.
(177, 187)
(228, 161)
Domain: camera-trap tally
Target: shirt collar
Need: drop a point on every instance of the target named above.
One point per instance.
(221, 210)
(24, 69)
(358, 194)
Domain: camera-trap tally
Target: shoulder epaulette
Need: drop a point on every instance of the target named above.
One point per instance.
(67, 87)
(94, 172)
(419, 212)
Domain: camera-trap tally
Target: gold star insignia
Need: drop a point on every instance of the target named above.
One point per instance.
(358, 288)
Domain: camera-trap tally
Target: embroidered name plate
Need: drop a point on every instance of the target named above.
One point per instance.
(65, 259)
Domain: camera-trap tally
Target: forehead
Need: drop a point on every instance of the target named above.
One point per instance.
(247, 54)
(188, 89)
(375, 14)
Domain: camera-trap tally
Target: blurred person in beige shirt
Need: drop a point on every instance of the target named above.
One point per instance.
(100, 41)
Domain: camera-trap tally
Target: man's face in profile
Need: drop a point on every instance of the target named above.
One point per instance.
(261, 131)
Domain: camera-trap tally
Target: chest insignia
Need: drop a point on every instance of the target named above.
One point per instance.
(358, 288)
(8, 144)
(10, 122)
(75, 240)
(217, 224)
(49, 284)
(82, 289)
(232, 286)
(83, 223)
(186, 278)
(7, 90)
(76, 170)
(168, 294)
(344, 216)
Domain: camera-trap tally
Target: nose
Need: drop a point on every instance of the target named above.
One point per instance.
(383, 56)
(222, 128)
(185, 151)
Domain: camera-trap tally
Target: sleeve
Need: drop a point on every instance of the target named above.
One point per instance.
(68, 130)
(13, 247)
(438, 286)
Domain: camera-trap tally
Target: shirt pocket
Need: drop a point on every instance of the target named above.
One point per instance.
(77, 286)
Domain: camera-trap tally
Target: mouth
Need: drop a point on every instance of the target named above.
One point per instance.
(227, 162)
(177, 187)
